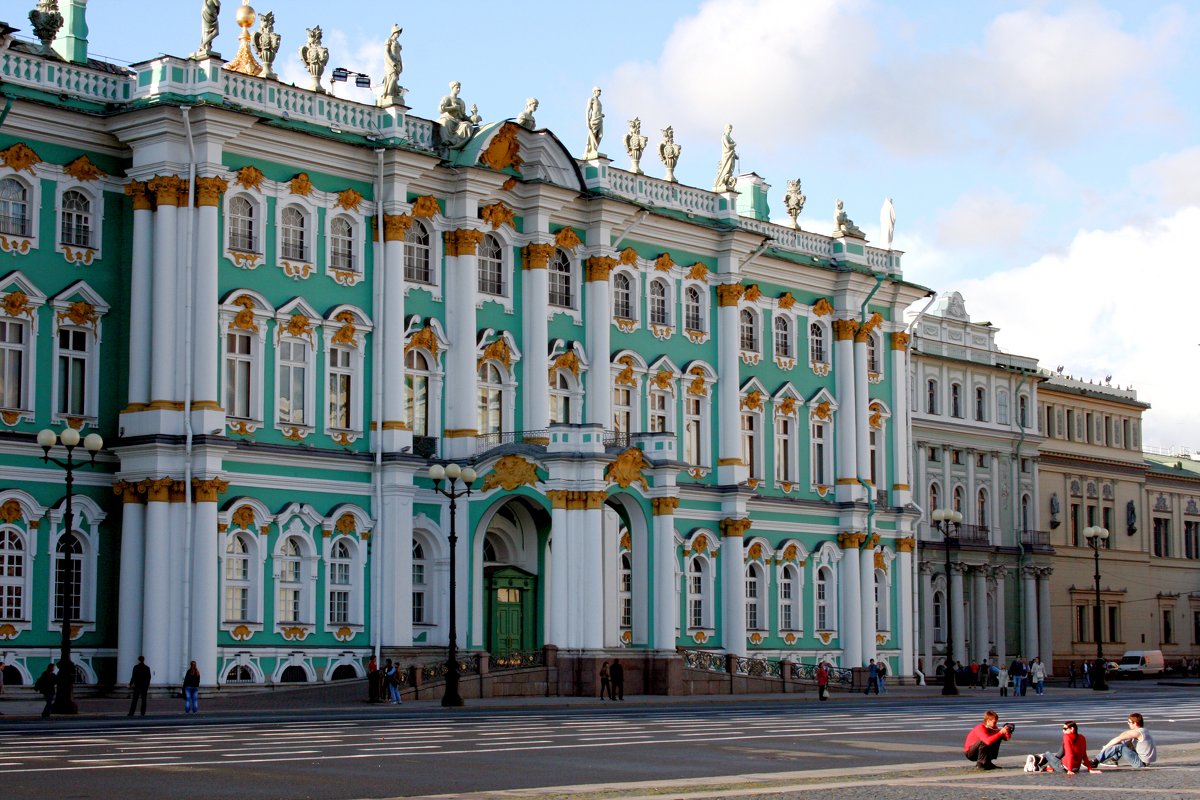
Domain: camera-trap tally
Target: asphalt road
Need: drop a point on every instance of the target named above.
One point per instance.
(882, 748)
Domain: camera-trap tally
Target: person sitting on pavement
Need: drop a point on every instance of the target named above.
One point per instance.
(1070, 757)
(982, 744)
(1135, 746)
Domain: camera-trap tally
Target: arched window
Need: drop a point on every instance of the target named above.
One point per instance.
(659, 312)
(338, 579)
(956, 400)
(289, 583)
(491, 266)
(783, 337)
(697, 593)
(416, 392)
(622, 296)
(816, 343)
(491, 397)
(562, 293)
(293, 234)
(872, 355)
(784, 448)
(294, 674)
(238, 674)
(68, 569)
(754, 592)
(883, 610)
(931, 396)
(749, 330)
(625, 591)
(76, 219)
(237, 580)
(12, 576)
(622, 408)
(939, 615)
(980, 404)
(789, 598)
(981, 508)
(560, 397)
(14, 208)
(825, 599)
(1025, 504)
(242, 233)
(693, 310)
(416, 254)
(934, 497)
(419, 567)
(341, 245)
(693, 416)
(958, 499)
(1023, 411)
(1002, 407)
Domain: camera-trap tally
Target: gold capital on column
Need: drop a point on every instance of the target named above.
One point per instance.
(735, 527)
(177, 492)
(557, 497)
(664, 506)
(599, 267)
(206, 491)
(130, 492)
(158, 489)
(864, 330)
(462, 242)
(395, 227)
(906, 545)
(209, 191)
(844, 329)
(899, 341)
(168, 190)
(537, 256)
(730, 294)
(136, 191)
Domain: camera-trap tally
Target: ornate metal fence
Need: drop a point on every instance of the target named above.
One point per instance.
(757, 667)
(808, 672)
(707, 660)
(467, 665)
(517, 660)
(716, 661)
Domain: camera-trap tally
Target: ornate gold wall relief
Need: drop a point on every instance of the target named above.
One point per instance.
(20, 157)
(567, 239)
(498, 214)
(425, 207)
(249, 178)
(664, 263)
(822, 308)
(82, 169)
(510, 472)
(349, 199)
(628, 257)
(301, 185)
(627, 469)
(503, 151)
(497, 350)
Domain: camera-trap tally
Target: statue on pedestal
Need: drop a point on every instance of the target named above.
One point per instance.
(454, 124)
(669, 152)
(391, 92)
(315, 57)
(793, 201)
(887, 222)
(635, 145)
(47, 20)
(725, 181)
(210, 20)
(842, 224)
(266, 44)
(525, 118)
(595, 123)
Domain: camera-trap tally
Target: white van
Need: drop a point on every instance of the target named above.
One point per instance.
(1136, 663)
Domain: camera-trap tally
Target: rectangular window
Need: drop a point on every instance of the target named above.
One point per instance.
(933, 454)
(1083, 624)
(658, 412)
(1191, 539)
(696, 601)
(418, 608)
(1168, 626)
(1076, 528)
(1162, 537)
(819, 475)
(622, 409)
(12, 363)
(750, 443)
(69, 570)
(339, 607)
(237, 375)
(289, 605)
(340, 383)
(956, 457)
(1195, 627)
(751, 604)
(293, 365)
(1114, 627)
(72, 371)
(783, 450)
(236, 603)
(691, 431)
(10, 602)
(787, 620)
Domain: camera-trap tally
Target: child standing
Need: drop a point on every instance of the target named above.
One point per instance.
(1003, 678)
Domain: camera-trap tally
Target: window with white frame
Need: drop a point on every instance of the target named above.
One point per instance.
(622, 409)
(931, 396)
(293, 234)
(417, 254)
(491, 399)
(698, 587)
(416, 392)
(345, 332)
(883, 611)
(1002, 407)
(239, 371)
(13, 355)
(562, 290)
(292, 381)
(939, 608)
(491, 266)
(873, 355)
(625, 592)
(1023, 411)
(751, 443)
(238, 551)
(68, 570)
(783, 336)
(956, 400)
(980, 404)
(659, 405)
(338, 577)
(754, 595)
(243, 230)
(74, 355)
(818, 352)
(12, 575)
(290, 582)
(342, 250)
(660, 313)
(789, 598)
(785, 449)
(14, 208)
(561, 391)
(693, 309)
(956, 500)
(820, 454)
(341, 386)
(419, 570)
(748, 330)
(76, 221)
(826, 600)
(875, 455)
(934, 496)
(981, 508)
(622, 296)
(693, 430)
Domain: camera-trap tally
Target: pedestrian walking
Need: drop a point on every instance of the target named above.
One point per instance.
(1086, 669)
(1002, 679)
(1037, 675)
(139, 681)
(1072, 671)
(391, 679)
(616, 674)
(1017, 671)
(46, 685)
(191, 689)
(985, 672)
(605, 683)
(883, 673)
(372, 681)
(872, 677)
(822, 681)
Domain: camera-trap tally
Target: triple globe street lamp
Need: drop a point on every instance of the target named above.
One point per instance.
(454, 473)
(64, 697)
(1097, 536)
(943, 518)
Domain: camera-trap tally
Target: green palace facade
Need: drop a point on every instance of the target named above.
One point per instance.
(279, 308)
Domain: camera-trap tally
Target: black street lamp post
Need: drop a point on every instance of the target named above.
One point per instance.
(1097, 535)
(64, 697)
(436, 474)
(943, 518)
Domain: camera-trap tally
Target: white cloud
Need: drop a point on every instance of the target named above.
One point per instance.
(983, 219)
(1117, 302)
(1171, 180)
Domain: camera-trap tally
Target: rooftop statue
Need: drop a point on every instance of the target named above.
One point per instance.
(266, 44)
(595, 123)
(210, 22)
(47, 21)
(525, 118)
(315, 57)
(725, 181)
(793, 201)
(635, 145)
(669, 152)
(454, 124)
(842, 224)
(391, 91)
(887, 222)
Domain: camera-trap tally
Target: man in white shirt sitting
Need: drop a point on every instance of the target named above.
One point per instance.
(1135, 746)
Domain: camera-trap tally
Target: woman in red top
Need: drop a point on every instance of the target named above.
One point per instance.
(983, 742)
(1073, 754)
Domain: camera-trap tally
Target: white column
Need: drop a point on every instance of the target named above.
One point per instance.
(979, 606)
(157, 583)
(392, 331)
(1001, 574)
(927, 633)
(666, 611)
(1029, 646)
(959, 645)
(165, 306)
(998, 537)
(599, 342)
(535, 359)
(560, 587)
(733, 565)
(921, 490)
(850, 620)
(133, 552)
(393, 543)
(205, 617)
(1045, 640)
(902, 491)
(205, 358)
(461, 288)
(591, 555)
(846, 427)
(178, 638)
(729, 454)
(971, 512)
(904, 565)
(607, 567)
(862, 438)
(140, 305)
(866, 603)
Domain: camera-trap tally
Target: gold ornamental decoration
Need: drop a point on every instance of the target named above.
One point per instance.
(537, 256)
(298, 325)
(628, 257)
(735, 527)
(301, 185)
(599, 267)
(498, 214)
(244, 319)
(786, 300)
(425, 207)
(697, 272)
(567, 238)
(880, 561)
(250, 178)
(700, 544)
(864, 331)
(697, 388)
(823, 411)
(664, 506)
(82, 169)
(755, 552)
(729, 294)
(20, 157)
(167, 189)
(80, 313)
(822, 308)
(844, 329)
(136, 191)
(752, 401)
(790, 552)
(626, 377)
(508, 185)
(627, 469)
(752, 293)
(244, 518)
(395, 227)
(16, 304)
(346, 524)
(424, 338)
(906, 544)
(851, 540)
(10, 512)
(899, 341)
(664, 263)
(206, 491)
(462, 242)
(497, 350)
(503, 151)
(510, 472)
(568, 361)
(664, 380)
(787, 406)
(209, 191)
(349, 199)
(347, 334)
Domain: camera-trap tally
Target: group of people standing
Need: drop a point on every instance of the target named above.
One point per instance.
(1134, 747)
(139, 683)
(1022, 674)
(383, 685)
(612, 680)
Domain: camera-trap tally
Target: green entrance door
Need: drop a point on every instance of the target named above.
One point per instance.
(511, 596)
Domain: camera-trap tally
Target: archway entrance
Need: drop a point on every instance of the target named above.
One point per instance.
(510, 605)
(510, 559)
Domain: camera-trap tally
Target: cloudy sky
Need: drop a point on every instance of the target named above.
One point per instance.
(1043, 156)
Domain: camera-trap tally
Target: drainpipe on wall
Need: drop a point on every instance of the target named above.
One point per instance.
(377, 404)
(638, 218)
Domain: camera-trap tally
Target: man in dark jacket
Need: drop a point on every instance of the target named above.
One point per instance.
(616, 674)
(46, 686)
(140, 683)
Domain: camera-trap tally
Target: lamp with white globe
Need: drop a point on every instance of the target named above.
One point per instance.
(454, 473)
(1097, 536)
(943, 518)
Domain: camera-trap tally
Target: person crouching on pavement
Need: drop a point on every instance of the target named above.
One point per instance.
(983, 742)
(1070, 757)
